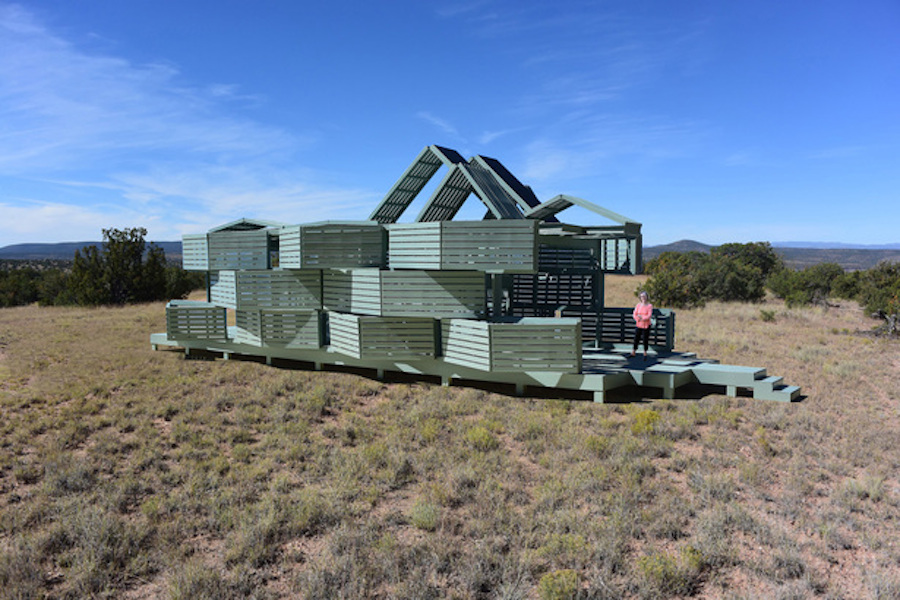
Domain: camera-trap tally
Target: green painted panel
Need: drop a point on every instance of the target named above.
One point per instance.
(291, 328)
(296, 290)
(332, 245)
(381, 337)
(248, 327)
(496, 246)
(223, 288)
(234, 250)
(412, 293)
(195, 252)
(186, 320)
(529, 344)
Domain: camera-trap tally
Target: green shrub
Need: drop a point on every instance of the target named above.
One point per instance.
(663, 574)
(424, 515)
(645, 421)
(730, 273)
(812, 285)
(598, 445)
(559, 585)
(480, 438)
(879, 288)
(675, 279)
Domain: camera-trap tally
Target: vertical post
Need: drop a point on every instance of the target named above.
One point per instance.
(497, 296)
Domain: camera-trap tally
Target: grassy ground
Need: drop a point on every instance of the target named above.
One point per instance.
(128, 473)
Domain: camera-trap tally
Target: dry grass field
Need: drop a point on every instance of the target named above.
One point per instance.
(128, 473)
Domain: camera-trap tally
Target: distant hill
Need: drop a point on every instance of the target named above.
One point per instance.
(836, 246)
(849, 258)
(679, 246)
(66, 250)
(799, 255)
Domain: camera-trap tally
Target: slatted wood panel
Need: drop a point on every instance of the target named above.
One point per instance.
(195, 252)
(607, 252)
(296, 290)
(496, 245)
(234, 250)
(332, 246)
(615, 255)
(278, 328)
(542, 295)
(415, 245)
(248, 329)
(617, 326)
(525, 344)
(187, 320)
(292, 328)
(366, 337)
(245, 290)
(433, 294)
(558, 258)
(223, 288)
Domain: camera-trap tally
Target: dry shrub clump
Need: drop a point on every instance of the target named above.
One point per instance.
(129, 473)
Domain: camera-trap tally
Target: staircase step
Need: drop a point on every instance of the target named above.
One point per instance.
(781, 393)
(769, 383)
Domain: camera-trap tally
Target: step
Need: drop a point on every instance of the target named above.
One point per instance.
(768, 384)
(730, 375)
(781, 393)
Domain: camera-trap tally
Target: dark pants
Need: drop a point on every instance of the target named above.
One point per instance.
(639, 334)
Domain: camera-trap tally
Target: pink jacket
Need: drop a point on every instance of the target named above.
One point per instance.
(642, 314)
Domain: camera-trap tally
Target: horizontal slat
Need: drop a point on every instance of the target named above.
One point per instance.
(279, 289)
(533, 344)
(404, 293)
(291, 329)
(380, 337)
(332, 246)
(223, 289)
(196, 320)
(467, 245)
(234, 250)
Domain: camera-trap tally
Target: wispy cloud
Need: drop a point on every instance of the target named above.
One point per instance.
(72, 108)
(32, 221)
(116, 140)
(442, 124)
(581, 69)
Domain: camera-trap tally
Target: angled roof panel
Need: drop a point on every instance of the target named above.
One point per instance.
(449, 196)
(246, 225)
(562, 202)
(412, 181)
(489, 189)
(520, 192)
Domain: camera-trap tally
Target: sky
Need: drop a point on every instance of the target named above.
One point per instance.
(712, 121)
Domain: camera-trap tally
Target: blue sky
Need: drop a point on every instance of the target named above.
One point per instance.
(713, 121)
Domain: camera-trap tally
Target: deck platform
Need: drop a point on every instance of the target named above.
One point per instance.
(602, 370)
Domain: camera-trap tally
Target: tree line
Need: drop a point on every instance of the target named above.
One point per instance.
(745, 272)
(123, 270)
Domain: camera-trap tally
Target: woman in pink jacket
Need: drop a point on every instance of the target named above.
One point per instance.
(643, 313)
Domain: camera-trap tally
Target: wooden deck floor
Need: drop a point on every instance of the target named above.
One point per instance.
(603, 371)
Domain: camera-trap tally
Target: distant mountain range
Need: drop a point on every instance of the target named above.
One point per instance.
(835, 246)
(66, 250)
(797, 255)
